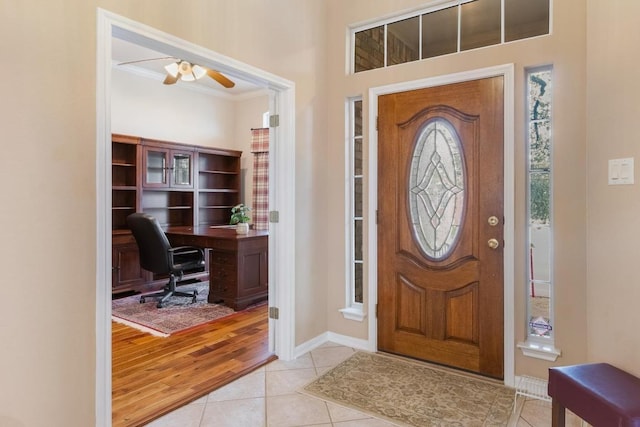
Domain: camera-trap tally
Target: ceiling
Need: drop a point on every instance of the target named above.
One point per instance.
(124, 51)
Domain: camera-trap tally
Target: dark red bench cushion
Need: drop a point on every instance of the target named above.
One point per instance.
(599, 393)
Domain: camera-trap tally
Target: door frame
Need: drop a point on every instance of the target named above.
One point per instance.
(281, 178)
(507, 72)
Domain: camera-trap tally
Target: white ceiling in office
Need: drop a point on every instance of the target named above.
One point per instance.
(124, 51)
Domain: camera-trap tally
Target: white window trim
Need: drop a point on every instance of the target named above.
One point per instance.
(539, 347)
(539, 350)
(352, 310)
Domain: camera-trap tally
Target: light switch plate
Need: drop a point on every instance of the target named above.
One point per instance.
(621, 171)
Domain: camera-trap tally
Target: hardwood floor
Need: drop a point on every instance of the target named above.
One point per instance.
(152, 376)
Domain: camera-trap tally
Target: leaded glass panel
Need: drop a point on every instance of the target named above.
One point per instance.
(436, 188)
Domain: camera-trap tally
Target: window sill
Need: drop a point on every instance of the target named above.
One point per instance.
(539, 351)
(353, 314)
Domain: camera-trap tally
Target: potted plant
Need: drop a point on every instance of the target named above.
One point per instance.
(240, 217)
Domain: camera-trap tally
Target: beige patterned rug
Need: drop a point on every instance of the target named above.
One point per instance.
(412, 393)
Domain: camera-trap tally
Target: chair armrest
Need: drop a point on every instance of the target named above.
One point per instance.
(181, 255)
(183, 250)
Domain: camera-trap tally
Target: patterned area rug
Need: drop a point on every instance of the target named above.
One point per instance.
(177, 314)
(412, 393)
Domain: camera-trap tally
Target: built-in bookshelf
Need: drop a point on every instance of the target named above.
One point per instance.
(218, 185)
(125, 179)
(179, 184)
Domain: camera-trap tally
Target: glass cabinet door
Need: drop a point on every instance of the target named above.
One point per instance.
(156, 167)
(182, 170)
(168, 168)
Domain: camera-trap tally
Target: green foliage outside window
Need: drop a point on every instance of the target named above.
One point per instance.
(539, 146)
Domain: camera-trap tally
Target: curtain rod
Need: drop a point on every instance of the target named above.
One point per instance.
(258, 128)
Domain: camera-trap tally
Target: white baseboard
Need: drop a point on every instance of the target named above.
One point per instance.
(325, 337)
(347, 341)
(312, 344)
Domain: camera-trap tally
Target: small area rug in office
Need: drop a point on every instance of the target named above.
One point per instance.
(177, 314)
(412, 393)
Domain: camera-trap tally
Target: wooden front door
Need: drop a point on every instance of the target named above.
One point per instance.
(440, 225)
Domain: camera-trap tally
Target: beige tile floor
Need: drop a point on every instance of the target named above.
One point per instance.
(268, 397)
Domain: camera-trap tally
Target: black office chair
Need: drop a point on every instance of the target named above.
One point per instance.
(157, 256)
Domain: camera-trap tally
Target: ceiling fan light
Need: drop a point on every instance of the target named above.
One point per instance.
(198, 71)
(172, 69)
(187, 77)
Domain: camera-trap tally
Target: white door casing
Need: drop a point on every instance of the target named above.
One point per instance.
(281, 195)
(507, 71)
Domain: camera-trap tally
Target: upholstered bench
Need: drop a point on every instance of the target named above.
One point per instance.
(600, 394)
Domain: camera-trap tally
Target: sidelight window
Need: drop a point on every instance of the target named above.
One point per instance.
(355, 219)
(540, 284)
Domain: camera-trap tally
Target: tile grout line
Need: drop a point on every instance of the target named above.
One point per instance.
(266, 423)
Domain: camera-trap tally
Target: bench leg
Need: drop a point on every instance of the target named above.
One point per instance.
(557, 414)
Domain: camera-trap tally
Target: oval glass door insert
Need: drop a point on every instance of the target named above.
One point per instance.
(436, 189)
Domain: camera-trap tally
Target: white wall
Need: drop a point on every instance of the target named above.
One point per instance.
(144, 107)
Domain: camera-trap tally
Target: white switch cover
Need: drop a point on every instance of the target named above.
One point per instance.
(621, 171)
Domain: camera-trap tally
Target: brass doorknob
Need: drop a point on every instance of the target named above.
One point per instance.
(493, 243)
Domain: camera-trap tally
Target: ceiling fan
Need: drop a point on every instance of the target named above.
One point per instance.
(187, 72)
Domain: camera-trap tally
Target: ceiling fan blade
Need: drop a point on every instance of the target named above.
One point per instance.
(169, 80)
(215, 75)
(145, 60)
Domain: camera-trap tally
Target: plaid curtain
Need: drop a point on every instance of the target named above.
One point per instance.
(260, 150)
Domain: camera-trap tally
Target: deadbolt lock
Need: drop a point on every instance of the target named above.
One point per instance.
(493, 243)
(493, 220)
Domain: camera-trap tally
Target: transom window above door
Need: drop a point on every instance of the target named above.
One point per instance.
(446, 28)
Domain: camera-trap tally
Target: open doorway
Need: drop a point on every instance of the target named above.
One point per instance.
(282, 178)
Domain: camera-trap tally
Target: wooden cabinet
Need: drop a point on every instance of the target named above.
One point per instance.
(125, 185)
(167, 181)
(166, 167)
(126, 272)
(179, 184)
(238, 263)
(238, 272)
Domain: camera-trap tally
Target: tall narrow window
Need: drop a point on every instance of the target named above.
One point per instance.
(354, 197)
(540, 325)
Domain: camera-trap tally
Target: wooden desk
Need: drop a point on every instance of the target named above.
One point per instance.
(238, 263)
